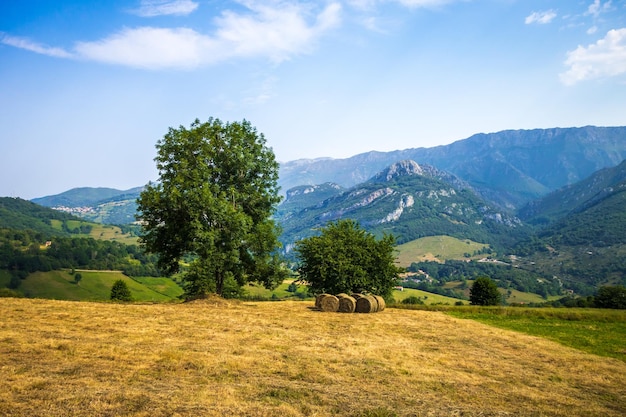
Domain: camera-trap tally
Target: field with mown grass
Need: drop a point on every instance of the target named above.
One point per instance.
(98, 231)
(437, 248)
(214, 358)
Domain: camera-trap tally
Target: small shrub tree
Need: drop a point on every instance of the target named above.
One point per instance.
(345, 258)
(120, 291)
(484, 292)
(77, 277)
(412, 300)
(611, 297)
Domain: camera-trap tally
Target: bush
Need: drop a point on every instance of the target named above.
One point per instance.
(611, 297)
(484, 292)
(120, 291)
(412, 300)
(9, 293)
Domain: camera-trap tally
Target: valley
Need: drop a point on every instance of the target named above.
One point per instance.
(559, 221)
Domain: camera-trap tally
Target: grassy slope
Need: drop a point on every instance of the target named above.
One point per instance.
(98, 231)
(95, 285)
(216, 358)
(427, 297)
(437, 248)
(595, 331)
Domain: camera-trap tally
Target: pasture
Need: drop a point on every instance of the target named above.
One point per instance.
(96, 286)
(437, 248)
(214, 358)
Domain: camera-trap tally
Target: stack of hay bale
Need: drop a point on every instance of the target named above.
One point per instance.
(344, 303)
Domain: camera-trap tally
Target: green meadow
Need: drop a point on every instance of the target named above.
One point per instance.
(598, 331)
(437, 248)
(96, 286)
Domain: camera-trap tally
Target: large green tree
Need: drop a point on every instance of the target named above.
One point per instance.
(484, 292)
(345, 258)
(212, 206)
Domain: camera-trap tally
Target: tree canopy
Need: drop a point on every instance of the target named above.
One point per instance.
(484, 292)
(212, 206)
(344, 258)
(120, 291)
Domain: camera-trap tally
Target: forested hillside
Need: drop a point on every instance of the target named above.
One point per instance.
(35, 238)
(408, 201)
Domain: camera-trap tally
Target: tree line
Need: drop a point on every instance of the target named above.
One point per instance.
(25, 251)
(505, 275)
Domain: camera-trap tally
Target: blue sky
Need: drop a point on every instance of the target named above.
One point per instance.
(87, 88)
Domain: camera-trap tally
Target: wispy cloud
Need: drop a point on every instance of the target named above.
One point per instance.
(152, 8)
(598, 7)
(424, 3)
(541, 18)
(276, 31)
(27, 44)
(605, 58)
(371, 4)
(151, 48)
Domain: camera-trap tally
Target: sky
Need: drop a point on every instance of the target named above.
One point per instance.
(87, 88)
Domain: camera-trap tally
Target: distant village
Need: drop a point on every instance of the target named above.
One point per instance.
(75, 210)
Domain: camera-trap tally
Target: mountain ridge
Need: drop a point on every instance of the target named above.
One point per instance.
(509, 167)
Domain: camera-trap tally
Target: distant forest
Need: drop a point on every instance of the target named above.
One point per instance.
(26, 251)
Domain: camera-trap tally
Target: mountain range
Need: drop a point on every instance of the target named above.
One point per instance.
(551, 196)
(509, 168)
(406, 200)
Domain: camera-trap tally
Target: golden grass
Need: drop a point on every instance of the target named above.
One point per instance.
(437, 248)
(215, 358)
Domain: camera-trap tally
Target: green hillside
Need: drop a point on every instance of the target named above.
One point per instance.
(19, 214)
(96, 286)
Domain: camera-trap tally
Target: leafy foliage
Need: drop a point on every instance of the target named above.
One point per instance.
(213, 203)
(345, 258)
(506, 274)
(484, 292)
(18, 214)
(120, 291)
(24, 251)
(611, 297)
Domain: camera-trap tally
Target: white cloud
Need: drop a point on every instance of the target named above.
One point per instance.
(597, 7)
(541, 18)
(605, 58)
(592, 30)
(423, 3)
(29, 45)
(371, 4)
(276, 31)
(149, 47)
(151, 8)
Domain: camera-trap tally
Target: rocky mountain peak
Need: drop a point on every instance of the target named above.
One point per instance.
(399, 169)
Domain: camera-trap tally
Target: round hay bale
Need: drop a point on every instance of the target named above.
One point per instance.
(329, 303)
(318, 298)
(366, 304)
(357, 295)
(341, 294)
(381, 302)
(347, 304)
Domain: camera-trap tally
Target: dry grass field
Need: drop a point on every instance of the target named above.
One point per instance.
(219, 358)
